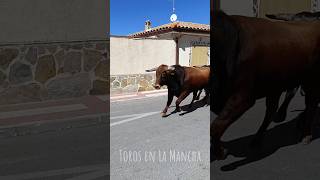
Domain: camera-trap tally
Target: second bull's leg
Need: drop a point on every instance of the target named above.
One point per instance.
(181, 97)
(194, 97)
(271, 110)
(198, 96)
(311, 100)
(282, 112)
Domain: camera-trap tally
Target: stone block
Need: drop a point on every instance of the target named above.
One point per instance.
(102, 69)
(45, 68)
(69, 86)
(21, 94)
(32, 55)
(91, 58)
(100, 87)
(20, 73)
(72, 62)
(7, 56)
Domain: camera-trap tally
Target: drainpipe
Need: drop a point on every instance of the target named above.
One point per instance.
(176, 40)
(215, 5)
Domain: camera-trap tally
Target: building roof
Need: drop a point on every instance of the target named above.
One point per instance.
(173, 27)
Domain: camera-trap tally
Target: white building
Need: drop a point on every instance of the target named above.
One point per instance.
(184, 43)
(192, 41)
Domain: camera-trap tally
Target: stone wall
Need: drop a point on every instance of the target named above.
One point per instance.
(46, 71)
(131, 83)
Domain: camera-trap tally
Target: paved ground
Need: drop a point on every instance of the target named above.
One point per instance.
(54, 140)
(37, 143)
(281, 156)
(141, 141)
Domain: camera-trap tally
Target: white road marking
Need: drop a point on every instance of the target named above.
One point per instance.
(73, 118)
(123, 96)
(154, 91)
(74, 170)
(120, 100)
(126, 116)
(38, 111)
(156, 95)
(133, 117)
(90, 176)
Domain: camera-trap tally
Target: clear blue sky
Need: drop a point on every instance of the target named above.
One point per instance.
(128, 16)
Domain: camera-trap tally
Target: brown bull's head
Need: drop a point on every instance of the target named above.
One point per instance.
(160, 75)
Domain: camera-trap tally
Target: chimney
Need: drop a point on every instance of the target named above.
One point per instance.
(147, 25)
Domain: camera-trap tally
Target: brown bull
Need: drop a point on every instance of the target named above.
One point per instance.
(256, 58)
(181, 81)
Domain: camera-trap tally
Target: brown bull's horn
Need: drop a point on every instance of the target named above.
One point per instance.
(171, 68)
(150, 70)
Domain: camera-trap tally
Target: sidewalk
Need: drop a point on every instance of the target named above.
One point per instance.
(88, 107)
(49, 111)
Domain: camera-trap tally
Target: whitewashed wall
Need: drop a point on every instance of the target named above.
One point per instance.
(239, 7)
(134, 56)
(53, 20)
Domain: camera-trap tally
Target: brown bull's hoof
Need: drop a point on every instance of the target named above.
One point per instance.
(178, 109)
(306, 140)
(279, 117)
(163, 114)
(221, 154)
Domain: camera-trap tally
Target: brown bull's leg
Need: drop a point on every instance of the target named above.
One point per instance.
(282, 112)
(169, 101)
(198, 96)
(207, 96)
(193, 98)
(271, 110)
(234, 108)
(311, 101)
(182, 96)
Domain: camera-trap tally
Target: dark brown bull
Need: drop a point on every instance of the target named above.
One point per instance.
(256, 58)
(181, 81)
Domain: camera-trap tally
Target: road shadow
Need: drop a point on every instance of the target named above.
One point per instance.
(188, 109)
(198, 104)
(283, 135)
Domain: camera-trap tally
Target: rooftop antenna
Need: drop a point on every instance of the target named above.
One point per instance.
(173, 17)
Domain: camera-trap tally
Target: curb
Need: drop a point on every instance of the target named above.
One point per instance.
(138, 95)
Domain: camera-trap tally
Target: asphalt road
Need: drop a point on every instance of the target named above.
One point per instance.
(65, 150)
(147, 146)
(281, 156)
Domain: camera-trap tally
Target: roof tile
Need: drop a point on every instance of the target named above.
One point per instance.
(175, 26)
